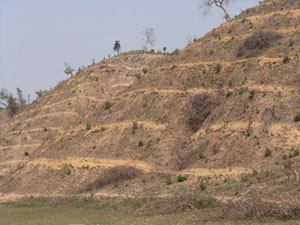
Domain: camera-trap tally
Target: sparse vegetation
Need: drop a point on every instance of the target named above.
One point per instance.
(88, 126)
(138, 76)
(113, 176)
(169, 180)
(286, 59)
(181, 178)
(66, 170)
(297, 117)
(251, 94)
(107, 105)
(198, 109)
(141, 143)
(245, 178)
(268, 152)
(134, 127)
(145, 70)
(218, 68)
(208, 202)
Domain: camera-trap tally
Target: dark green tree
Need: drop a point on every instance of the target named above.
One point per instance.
(117, 47)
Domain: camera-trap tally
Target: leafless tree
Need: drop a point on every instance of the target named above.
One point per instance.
(148, 38)
(206, 6)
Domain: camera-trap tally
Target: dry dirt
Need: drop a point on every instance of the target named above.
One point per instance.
(132, 110)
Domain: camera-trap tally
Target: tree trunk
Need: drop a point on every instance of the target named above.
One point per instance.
(227, 17)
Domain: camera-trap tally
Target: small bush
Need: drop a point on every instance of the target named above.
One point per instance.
(218, 68)
(268, 152)
(291, 42)
(245, 178)
(107, 105)
(134, 127)
(208, 203)
(251, 94)
(254, 173)
(102, 129)
(260, 40)
(113, 176)
(294, 153)
(181, 178)
(202, 187)
(141, 143)
(66, 170)
(88, 126)
(169, 180)
(286, 59)
(145, 70)
(138, 76)
(297, 117)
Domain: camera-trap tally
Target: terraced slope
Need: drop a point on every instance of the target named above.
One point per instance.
(222, 108)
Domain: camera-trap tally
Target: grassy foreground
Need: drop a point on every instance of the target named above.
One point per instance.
(92, 213)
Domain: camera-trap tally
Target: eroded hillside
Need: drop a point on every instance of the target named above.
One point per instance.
(220, 112)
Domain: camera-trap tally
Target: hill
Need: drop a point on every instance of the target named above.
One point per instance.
(220, 113)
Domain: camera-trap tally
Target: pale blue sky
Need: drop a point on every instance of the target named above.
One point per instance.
(38, 36)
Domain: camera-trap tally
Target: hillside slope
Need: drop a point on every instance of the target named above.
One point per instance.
(221, 112)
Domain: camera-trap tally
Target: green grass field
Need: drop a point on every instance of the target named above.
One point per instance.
(33, 213)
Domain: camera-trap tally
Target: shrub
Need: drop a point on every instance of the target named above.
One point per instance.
(251, 94)
(181, 178)
(294, 153)
(102, 129)
(254, 173)
(88, 126)
(286, 59)
(66, 170)
(260, 40)
(199, 108)
(297, 117)
(202, 187)
(141, 143)
(169, 180)
(291, 42)
(208, 202)
(216, 35)
(134, 127)
(145, 70)
(138, 76)
(107, 105)
(113, 176)
(268, 152)
(244, 178)
(218, 68)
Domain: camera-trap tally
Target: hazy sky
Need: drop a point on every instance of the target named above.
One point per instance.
(38, 36)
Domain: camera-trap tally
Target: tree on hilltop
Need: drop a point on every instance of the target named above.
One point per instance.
(206, 6)
(148, 38)
(68, 69)
(117, 47)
